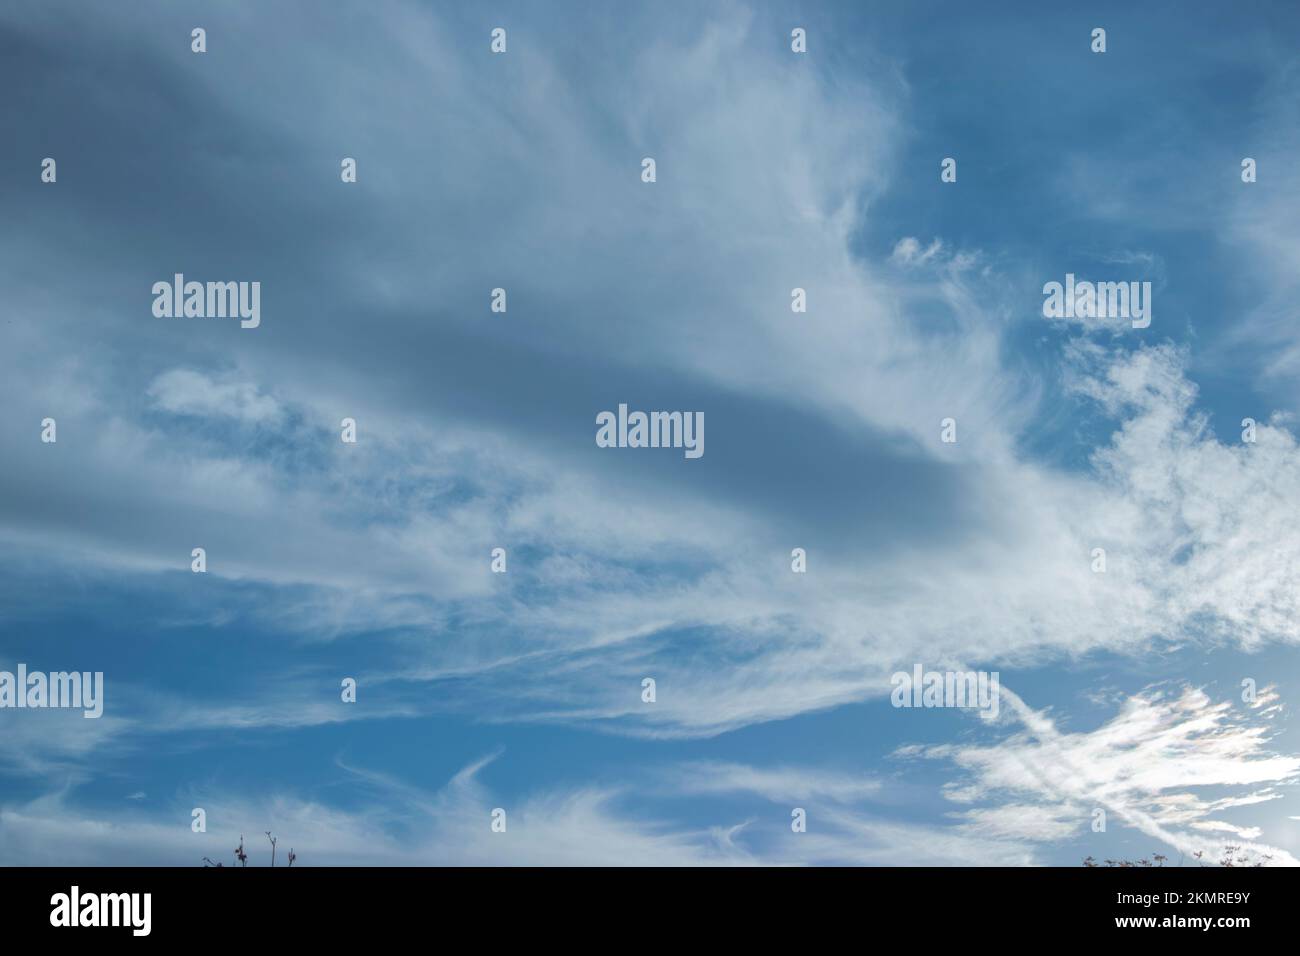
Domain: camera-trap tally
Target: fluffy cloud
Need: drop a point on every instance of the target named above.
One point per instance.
(187, 392)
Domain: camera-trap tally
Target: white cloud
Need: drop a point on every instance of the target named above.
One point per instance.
(1147, 768)
(188, 392)
(1199, 546)
(778, 784)
(394, 533)
(581, 826)
(908, 251)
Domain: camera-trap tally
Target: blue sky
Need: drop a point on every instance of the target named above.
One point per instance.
(522, 691)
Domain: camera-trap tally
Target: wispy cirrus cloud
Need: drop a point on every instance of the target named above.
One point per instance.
(475, 428)
(1148, 768)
